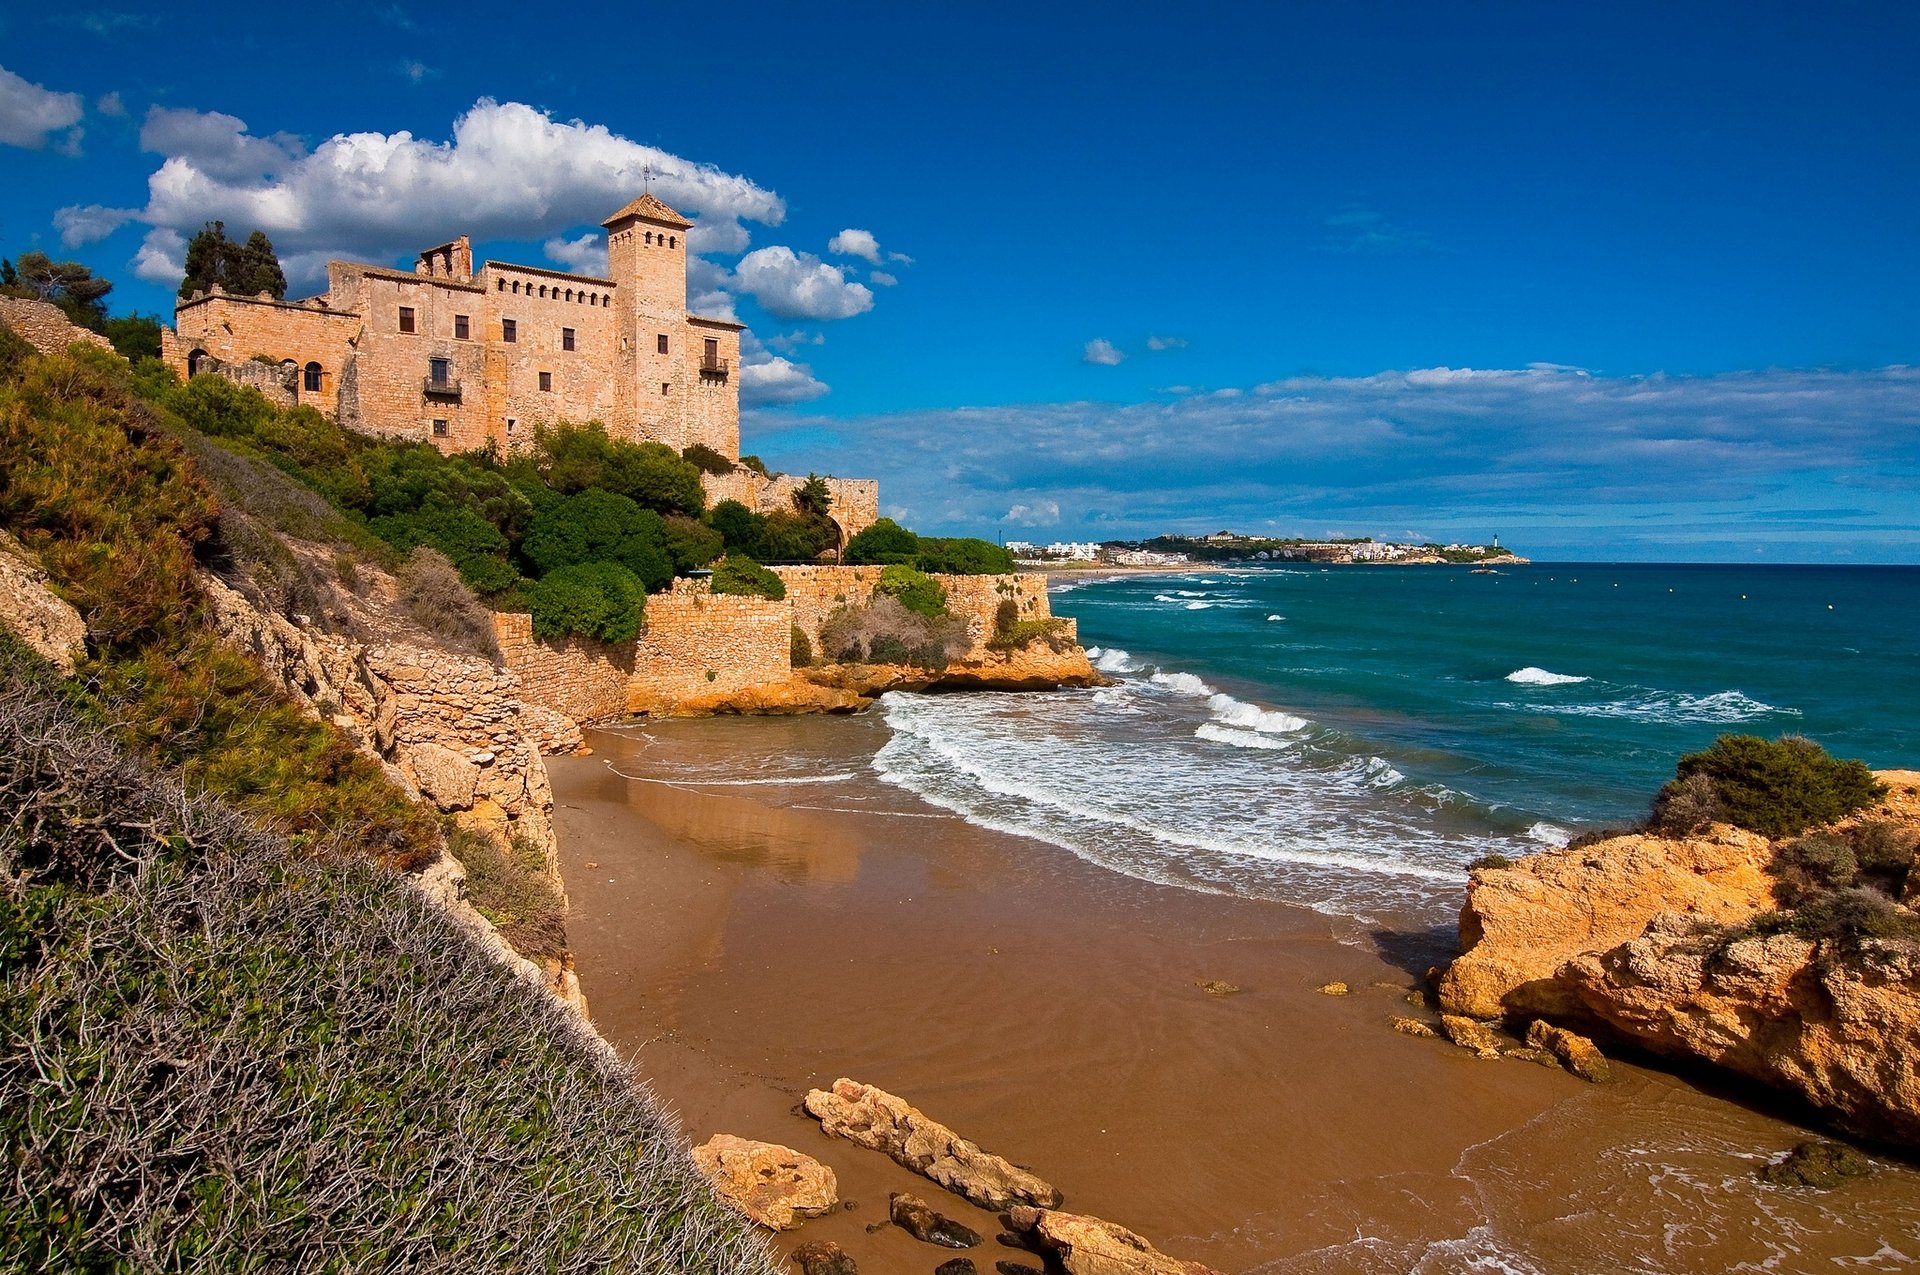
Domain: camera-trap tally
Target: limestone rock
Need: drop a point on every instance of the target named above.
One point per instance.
(448, 779)
(35, 614)
(1471, 1033)
(1218, 987)
(1522, 923)
(773, 1185)
(1820, 1165)
(1335, 988)
(1573, 1051)
(917, 1218)
(1413, 1027)
(824, 1257)
(878, 1120)
(957, 1266)
(1089, 1246)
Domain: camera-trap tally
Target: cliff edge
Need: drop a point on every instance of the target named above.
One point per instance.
(1704, 948)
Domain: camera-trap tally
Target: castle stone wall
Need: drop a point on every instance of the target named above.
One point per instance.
(697, 643)
(814, 593)
(45, 326)
(855, 501)
(587, 681)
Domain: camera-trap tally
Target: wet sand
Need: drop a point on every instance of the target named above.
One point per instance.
(744, 948)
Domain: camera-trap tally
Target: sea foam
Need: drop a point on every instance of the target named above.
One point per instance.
(1531, 676)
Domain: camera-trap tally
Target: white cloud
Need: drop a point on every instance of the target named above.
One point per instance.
(1041, 513)
(1102, 353)
(510, 171)
(31, 115)
(882, 278)
(1166, 343)
(585, 255)
(111, 105)
(777, 381)
(162, 258)
(856, 243)
(90, 224)
(791, 285)
(788, 342)
(416, 71)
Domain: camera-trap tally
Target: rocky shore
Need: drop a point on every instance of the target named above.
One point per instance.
(1677, 946)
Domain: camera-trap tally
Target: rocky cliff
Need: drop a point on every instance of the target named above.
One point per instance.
(1678, 946)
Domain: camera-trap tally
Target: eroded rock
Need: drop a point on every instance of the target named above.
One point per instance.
(36, 615)
(1820, 1165)
(1471, 1033)
(917, 1218)
(1090, 1246)
(444, 776)
(773, 1185)
(824, 1257)
(878, 1120)
(1573, 1051)
(957, 1266)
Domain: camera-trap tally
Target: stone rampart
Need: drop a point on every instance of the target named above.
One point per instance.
(45, 326)
(585, 680)
(698, 644)
(855, 501)
(815, 592)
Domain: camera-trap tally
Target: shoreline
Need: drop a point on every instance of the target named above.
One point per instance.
(744, 942)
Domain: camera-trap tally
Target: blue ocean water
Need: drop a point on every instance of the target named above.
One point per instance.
(1348, 738)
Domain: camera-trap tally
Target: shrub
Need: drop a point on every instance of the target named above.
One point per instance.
(601, 600)
(1490, 861)
(599, 526)
(1778, 788)
(509, 886)
(690, 544)
(745, 577)
(791, 536)
(1848, 916)
(1810, 866)
(475, 547)
(740, 528)
(1885, 852)
(1011, 633)
(757, 465)
(885, 632)
(915, 590)
(883, 542)
(574, 458)
(800, 650)
(1683, 807)
(963, 556)
(434, 595)
(706, 460)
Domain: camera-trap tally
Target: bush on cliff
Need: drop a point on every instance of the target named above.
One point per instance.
(1777, 788)
(224, 1053)
(1011, 633)
(915, 590)
(574, 458)
(885, 632)
(882, 542)
(601, 600)
(596, 525)
(438, 600)
(747, 578)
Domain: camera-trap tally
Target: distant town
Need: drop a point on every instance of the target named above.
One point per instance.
(1232, 547)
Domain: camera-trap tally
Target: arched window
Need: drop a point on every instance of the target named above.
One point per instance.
(543, 292)
(196, 361)
(310, 378)
(673, 241)
(516, 287)
(649, 238)
(500, 285)
(569, 294)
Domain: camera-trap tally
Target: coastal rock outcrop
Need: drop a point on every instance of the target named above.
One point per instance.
(39, 617)
(1654, 941)
(917, 1218)
(1089, 1246)
(879, 1121)
(775, 1186)
(824, 1257)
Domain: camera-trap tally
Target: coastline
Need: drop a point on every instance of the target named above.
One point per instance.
(744, 942)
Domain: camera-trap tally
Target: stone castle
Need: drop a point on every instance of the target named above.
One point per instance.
(462, 358)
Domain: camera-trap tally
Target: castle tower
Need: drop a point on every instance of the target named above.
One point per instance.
(647, 259)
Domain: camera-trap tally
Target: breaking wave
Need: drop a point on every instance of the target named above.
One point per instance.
(1531, 676)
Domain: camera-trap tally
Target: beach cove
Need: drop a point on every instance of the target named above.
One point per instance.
(745, 941)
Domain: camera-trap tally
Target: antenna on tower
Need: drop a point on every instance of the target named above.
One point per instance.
(646, 178)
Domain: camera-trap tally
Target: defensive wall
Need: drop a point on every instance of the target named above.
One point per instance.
(854, 507)
(45, 326)
(698, 645)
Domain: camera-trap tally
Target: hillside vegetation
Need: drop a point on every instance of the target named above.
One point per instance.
(231, 1035)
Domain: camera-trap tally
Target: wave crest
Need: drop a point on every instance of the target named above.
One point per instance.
(1533, 676)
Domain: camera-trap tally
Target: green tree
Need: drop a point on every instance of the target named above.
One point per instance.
(963, 556)
(134, 336)
(916, 591)
(706, 459)
(740, 528)
(598, 599)
(599, 526)
(882, 542)
(1777, 788)
(813, 496)
(746, 577)
(791, 536)
(244, 269)
(690, 543)
(572, 458)
(66, 284)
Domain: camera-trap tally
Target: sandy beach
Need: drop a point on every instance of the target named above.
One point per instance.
(745, 941)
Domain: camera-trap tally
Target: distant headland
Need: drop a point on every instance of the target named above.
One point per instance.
(1232, 547)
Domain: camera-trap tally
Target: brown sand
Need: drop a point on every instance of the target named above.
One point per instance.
(744, 951)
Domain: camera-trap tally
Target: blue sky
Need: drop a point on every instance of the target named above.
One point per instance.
(1630, 281)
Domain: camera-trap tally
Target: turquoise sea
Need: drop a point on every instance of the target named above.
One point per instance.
(1348, 738)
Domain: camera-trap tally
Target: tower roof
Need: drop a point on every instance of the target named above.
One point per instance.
(648, 208)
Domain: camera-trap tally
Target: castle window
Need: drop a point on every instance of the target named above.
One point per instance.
(516, 287)
(499, 285)
(439, 429)
(439, 370)
(663, 387)
(406, 318)
(660, 344)
(310, 378)
(510, 424)
(566, 338)
(543, 292)
(509, 331)
(649, 238)
(546, 382)
(461, 331)
(673, 241)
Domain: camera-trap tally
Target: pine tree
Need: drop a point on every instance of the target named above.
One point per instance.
(243, 269)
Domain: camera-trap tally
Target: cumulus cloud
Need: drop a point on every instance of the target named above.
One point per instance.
(162, 258)
(31, 115)
(89, 224)
(509, 171)
(790, 285)
(856, 243)
(1102, 353)
(882, 278)
(1816, 463)
(585, 255)
(1166, 343)
(788, 342)
(110, 104)
(777, 381)
(1041, 513)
